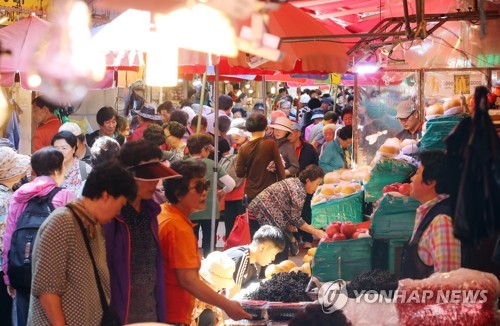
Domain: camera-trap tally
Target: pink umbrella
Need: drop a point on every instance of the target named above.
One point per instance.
(22, 39)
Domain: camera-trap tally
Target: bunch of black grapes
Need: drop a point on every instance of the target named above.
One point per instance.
(283, 287)
(381, 281)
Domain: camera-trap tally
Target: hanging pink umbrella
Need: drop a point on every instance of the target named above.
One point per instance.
(22, 39)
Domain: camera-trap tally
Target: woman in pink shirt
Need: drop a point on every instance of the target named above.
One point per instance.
(47, 164)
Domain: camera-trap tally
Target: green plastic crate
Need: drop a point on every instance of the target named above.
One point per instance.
(437, 130)
(344, 209)
(387, 254)
(394, 218)
(355, 259)
(387, 171)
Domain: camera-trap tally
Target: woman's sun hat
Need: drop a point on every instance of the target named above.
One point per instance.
(148, 112)
(12, 164)
(282, 123)
(218, 269)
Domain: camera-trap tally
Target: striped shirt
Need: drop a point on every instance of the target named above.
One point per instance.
(438, 247)
(244, 273)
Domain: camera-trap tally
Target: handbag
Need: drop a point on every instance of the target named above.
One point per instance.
(240, 233)
(109, 315)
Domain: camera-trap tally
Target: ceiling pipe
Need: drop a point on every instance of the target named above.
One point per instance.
(409, 32)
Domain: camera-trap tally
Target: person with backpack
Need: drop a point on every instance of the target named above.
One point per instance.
(233, 200)
(76, 171)
(13, 167)
(31, 202)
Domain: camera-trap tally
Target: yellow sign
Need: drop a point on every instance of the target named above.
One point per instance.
(16, 10)
(461, 84)
(336, 79)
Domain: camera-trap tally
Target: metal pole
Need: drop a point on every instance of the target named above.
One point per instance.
(264, 93)
(216, 158)
(202, 96)
(355, 122)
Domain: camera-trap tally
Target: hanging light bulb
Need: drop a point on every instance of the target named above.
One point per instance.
(67, 63)
(162, 60)
(200, 28)
(247, 85)
(273, 90)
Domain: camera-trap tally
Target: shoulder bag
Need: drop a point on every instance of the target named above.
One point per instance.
(109, 316)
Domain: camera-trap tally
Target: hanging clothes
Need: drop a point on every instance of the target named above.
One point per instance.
(473, 150)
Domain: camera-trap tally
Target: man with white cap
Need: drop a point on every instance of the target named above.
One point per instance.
(317, 117)
(409, 118)
(82, 150)
(13, 167)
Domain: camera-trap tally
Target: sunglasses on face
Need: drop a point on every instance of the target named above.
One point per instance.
(201, 186)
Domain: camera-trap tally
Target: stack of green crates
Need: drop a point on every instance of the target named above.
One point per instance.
(392, 226)
(343, 259)
(349, 208)
(394, 217)
(385, 172)
(438, 129)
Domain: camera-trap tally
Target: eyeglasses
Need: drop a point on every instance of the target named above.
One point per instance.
(404, 119)
(201, 186)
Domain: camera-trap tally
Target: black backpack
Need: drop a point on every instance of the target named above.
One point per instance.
(23, 239)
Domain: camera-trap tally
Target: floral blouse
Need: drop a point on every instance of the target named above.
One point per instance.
(5, 195)
(73, 178)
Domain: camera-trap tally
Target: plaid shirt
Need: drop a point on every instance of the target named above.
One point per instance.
(438, 247)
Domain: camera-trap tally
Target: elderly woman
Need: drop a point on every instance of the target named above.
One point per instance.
(337, 154)
(281, 205)
(132, 249)
(47, 164)
(182, 262)
(329, 131)
(174, 131)
(66, 290)
(106, 119)
(282, 129)
(76, 171)
(13, 167)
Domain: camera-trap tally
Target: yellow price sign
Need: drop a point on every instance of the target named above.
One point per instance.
(336, 79)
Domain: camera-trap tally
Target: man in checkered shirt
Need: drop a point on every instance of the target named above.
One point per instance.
(432, 246)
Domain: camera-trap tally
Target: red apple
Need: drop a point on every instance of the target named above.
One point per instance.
(337, 224)
(405, 189)
(348, 229)
(491, 98)
(338, 237)
(391, 188)
(331, 230)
